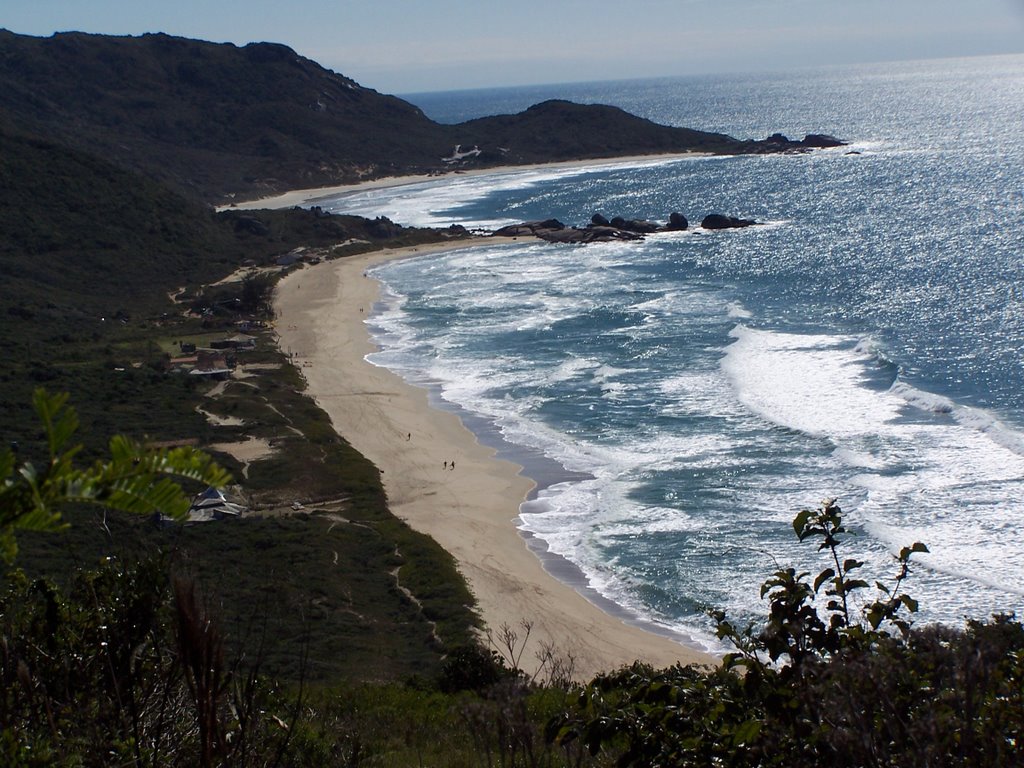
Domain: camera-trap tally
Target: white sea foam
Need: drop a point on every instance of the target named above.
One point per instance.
(950, 476)
(817, 385)
(925, 401)
(573, 367)
(738, 312)
(858, 458)
(813, 384)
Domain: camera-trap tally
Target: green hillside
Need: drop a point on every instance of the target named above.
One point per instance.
(92, 255)
(218, 122)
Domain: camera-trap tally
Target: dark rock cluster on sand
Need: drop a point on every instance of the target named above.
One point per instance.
(602, 230)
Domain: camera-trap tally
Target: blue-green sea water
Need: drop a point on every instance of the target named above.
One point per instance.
(680, 399)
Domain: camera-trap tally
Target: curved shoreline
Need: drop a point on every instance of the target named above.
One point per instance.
(471, 511)
(299, 197)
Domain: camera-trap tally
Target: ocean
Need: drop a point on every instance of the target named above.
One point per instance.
(680, 399)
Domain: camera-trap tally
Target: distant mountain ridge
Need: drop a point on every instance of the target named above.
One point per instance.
(218, 121)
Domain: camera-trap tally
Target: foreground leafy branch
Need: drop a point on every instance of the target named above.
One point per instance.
(135, 479)
(795, 630)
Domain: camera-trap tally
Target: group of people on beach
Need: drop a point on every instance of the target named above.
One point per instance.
(449, 465)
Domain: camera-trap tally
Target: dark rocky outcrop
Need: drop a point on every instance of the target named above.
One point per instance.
(384, 228)
(677, 222)
(526, 229)
(551, 224)
(555, 231)
(821, 141)
(601, 229)
(810, 141)
(718, 221)
(635, 225)
(587, 235)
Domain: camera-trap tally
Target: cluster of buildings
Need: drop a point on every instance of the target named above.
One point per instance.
(215, 361)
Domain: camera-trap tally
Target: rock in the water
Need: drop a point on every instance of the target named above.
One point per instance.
(555, 231)
(530, 228)
(641, 226)
(821, 141)
(513, 230)
(633, 225)
(677, 222)
(550, 224)
(591, 234)
(718, 221)
(599, 221)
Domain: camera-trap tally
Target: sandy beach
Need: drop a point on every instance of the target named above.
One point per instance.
(440, 479)
(313, 195)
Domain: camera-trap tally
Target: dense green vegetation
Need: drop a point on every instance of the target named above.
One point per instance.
(94, 255)
(91, 254)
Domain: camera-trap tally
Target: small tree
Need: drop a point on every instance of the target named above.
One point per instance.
(795, 630)
(257, 291)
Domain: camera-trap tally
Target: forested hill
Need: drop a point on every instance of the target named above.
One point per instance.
(217, 121)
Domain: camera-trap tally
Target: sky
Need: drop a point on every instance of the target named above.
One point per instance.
(410, 46)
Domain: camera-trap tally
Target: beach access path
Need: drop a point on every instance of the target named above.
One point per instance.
(440, 479)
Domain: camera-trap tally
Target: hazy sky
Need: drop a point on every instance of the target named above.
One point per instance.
(405, 46)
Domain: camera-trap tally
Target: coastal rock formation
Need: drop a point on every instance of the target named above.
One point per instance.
(810, 141)
(588, 235)
(718, 221)
(635, 225)
(554, 231)
(384, 228)
(821, 141)
(601, 230)
(677, 222)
